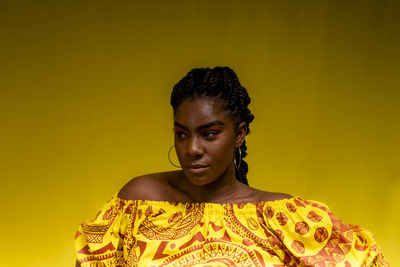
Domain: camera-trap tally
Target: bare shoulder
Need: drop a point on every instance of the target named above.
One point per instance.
(153, 186)
(270, 196)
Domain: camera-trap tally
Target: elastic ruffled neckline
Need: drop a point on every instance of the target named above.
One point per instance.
(210, 205)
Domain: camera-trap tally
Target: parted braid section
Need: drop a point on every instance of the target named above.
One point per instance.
(221, 83)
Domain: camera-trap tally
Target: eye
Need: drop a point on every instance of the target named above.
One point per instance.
(180, 134)
(210, 134)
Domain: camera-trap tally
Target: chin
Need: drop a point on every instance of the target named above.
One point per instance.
(200, 182)
(198, 178)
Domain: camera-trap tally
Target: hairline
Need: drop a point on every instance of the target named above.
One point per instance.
(216, 100)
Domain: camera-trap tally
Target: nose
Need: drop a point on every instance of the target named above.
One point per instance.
(194, 147)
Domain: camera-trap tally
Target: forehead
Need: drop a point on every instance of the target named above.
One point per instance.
(200, 111)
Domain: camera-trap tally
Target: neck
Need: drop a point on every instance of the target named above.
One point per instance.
(225, 189)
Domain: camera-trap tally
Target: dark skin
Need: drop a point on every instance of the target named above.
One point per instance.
(205, 141)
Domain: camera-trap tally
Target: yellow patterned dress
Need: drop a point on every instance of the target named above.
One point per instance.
(288, 232)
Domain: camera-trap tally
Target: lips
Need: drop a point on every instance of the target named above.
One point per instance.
(197, 168)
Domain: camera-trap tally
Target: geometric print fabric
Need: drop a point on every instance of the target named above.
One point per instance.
(287, 232)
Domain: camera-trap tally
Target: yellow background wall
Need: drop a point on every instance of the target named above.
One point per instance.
(84, 106)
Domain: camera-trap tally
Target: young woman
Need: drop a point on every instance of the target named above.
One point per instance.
(206, 214)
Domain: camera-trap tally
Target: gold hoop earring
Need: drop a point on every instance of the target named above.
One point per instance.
(169, 158)
(240, 159)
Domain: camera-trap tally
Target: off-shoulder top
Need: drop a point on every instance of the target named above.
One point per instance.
(287, 232)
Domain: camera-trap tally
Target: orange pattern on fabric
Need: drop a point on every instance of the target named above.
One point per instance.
(287, 232)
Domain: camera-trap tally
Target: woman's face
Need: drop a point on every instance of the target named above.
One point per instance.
(205, 140)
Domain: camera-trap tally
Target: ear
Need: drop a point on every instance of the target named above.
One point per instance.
(241, 133)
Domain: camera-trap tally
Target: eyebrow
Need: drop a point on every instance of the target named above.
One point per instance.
(201, 127)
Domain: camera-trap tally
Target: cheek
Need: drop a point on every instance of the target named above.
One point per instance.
(225, 151)
(179, 151)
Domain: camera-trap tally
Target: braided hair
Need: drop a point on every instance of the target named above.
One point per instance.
(221, 83)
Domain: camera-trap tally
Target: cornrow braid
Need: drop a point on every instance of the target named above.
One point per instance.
(221, 83)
